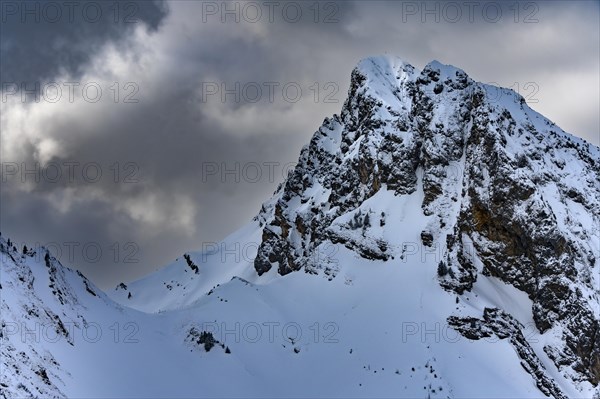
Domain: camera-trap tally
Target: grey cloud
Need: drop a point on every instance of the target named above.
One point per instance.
(40, 39)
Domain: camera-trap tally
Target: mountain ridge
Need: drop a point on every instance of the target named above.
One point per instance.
(429, 202)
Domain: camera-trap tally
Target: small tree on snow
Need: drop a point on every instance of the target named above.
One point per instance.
(367, 221)
(442, 270)
(356, 221)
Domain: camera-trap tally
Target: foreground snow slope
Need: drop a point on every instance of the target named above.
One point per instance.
(367, 335)
(437, 239)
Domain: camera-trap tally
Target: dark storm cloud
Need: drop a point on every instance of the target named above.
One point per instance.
(186, 160)
(39, 39)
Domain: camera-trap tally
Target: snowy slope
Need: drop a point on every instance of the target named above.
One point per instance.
(347, 348)
(335, 289)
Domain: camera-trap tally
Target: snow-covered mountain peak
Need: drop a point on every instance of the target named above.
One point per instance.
(437, 224)
(384, 70)
(445, 71)
(382, 64)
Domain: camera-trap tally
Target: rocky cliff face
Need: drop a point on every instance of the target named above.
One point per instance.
(506, 193)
